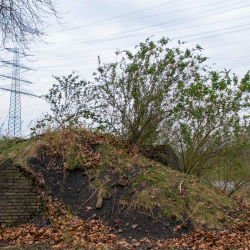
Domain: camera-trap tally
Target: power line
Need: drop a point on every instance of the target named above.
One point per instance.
(226, 44)
(164, 13)
(198, 34)
(169, 23)
(105, 21)
(91, 55)
(108, 40)
(82, 3)
(120, 16)
(70, 56)
(231, 32)
(208, 32)
(21, 91)
(95, 61)
(233, 58)
(16, 79)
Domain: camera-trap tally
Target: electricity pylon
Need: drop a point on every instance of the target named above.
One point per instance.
(15, 124)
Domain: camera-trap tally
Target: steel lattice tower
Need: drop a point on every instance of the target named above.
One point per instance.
(14, 125)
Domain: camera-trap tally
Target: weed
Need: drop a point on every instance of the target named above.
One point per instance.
(166, 212)
(69, 209)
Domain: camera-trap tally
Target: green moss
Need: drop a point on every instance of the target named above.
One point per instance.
(160, 189)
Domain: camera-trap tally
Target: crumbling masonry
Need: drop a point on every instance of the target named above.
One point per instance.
(19, 200)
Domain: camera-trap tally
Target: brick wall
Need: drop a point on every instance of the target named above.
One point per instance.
(19, 200)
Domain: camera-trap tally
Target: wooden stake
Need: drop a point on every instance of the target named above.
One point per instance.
(180, 186)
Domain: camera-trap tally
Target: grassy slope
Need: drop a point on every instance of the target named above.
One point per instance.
(174, 194)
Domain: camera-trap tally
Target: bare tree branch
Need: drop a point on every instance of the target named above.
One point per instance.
(22, 22)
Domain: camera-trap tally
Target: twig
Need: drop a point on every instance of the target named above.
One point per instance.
(158, 220)
(114, 203)
(91, 196)
(201, 204)
(180, 186)
(86, 172)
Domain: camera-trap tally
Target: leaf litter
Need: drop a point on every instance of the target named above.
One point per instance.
(70, 232)
(66, 231)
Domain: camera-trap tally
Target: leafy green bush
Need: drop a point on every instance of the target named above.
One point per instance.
(162, 95)
(138, 96)
(68, 103)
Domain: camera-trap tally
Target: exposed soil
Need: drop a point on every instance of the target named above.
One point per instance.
(75, 189)
(117, 224)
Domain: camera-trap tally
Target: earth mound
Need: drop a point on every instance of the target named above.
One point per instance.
(100, 176)
(135, 194)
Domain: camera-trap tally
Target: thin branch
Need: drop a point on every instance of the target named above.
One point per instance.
(158, 220)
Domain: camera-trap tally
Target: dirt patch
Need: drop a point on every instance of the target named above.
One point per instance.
(79, 192)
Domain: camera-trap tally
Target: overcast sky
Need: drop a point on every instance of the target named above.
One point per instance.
(99, 27)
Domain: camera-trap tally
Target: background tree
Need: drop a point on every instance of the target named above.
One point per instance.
(23, 21)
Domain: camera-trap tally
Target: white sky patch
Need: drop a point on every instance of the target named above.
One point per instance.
(100, 27)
